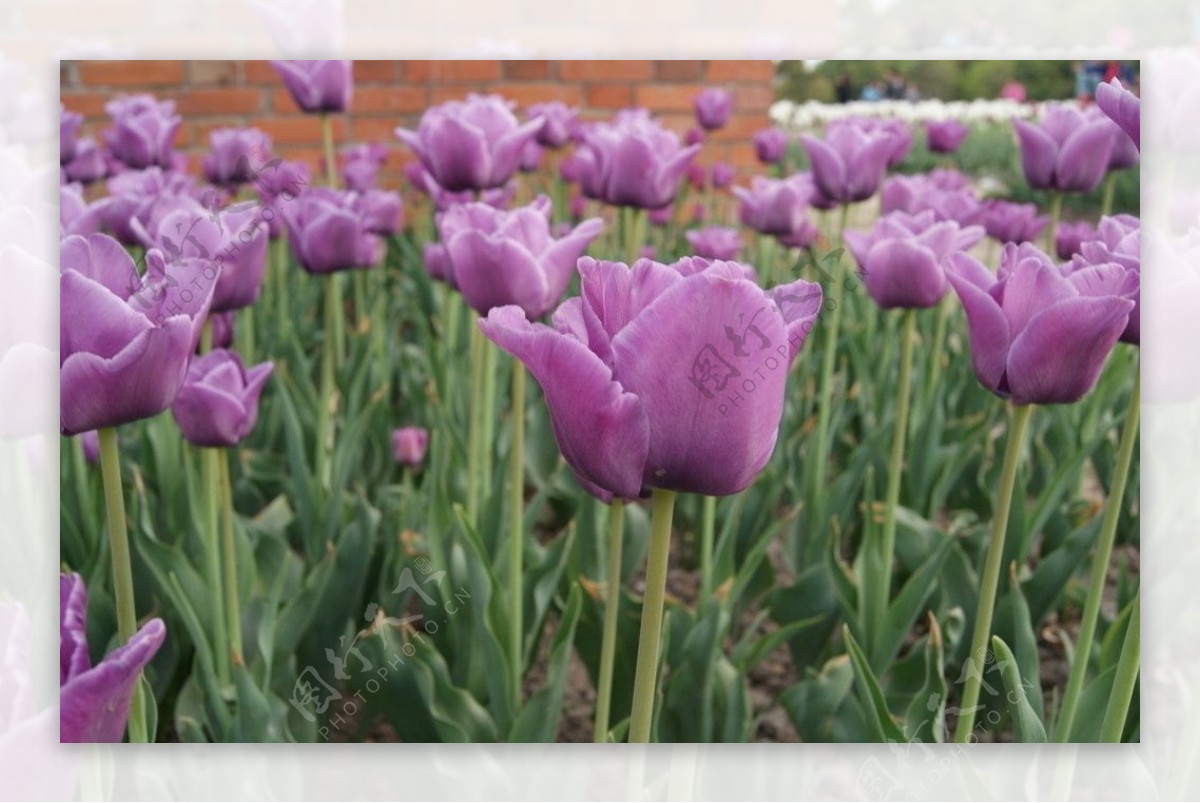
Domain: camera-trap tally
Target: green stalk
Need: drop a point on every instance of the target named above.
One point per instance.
(645, 679)
(474, 428)
(824, 392)
(327, 139)
(878, 597)
(1104, 547)
(1056, 201)
(487, 417)
(1126, 678)
(233, 608)
(1110, 188)
(281, 264)
(934, 373)
(248, 334)
(990, 580)
(324, 445)
(210, 462)
(708, 526)
(767, 259)
(516, 528)
(635, 224)
(612, 607)
(122, 567)
(206, 336)
(338, 319)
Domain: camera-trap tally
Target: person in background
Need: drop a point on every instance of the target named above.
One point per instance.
(895, 87)
(1013, 90)
(872, 92)
(843, 88)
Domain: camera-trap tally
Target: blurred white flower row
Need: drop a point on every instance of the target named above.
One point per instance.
(812, 114)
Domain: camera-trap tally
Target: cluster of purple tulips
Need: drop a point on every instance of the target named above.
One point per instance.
(641, 371)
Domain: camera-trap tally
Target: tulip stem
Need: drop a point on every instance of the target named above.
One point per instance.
(248, 334)
(645, 679)
(635, 221)
(474, 428)
(281, 263)
(206, 336)
(1125, 680)
(516, 516)
(708, 526)
(325, 403)
(612, 607)
(1104, 547)
(487, 418)
(990, 580)
(233, 607)
(210, 460)
(122, 567)
(1056, 201)
(1110, 189)
(936, 352)
(878, 597)
(824, 394)
(327, 138)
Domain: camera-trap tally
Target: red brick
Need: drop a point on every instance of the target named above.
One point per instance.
(680, 70)
(440, 93)
(379, 71)
(260, 72)
(380, 129)
(524, 70)
(741, 127)
(300, 129)
(130, 73)
(226, 100)
(609, 96)
(753, 98)
(631, 70)
(89, 104)
(222, 73)
(389, 99)
(741, 70)
(199, 131)
(657, 97)
(527, 94)
(464, 71)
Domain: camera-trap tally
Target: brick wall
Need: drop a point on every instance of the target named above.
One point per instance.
(212, 94)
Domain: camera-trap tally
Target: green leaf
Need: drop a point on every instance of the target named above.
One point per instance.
(870, 694)
(1026, 722)
(907, 606)
(538, 719)
(924, 720)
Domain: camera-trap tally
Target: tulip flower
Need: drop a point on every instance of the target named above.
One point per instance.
(279, 183)
(235, 238)
(848, 164)
(715, 242)
(497, 258)
(473, 144)
(713, 107)
(1009, 222)
(903, 257)
(1122, 107)
(134, 195)
(75, 214)
(1117, 240)
(531, 157)
(1066, 152)
(664, 376)
(361, 164)
(443, 199)
(125, 340)
(770, 145)
(233, 152)
(90, 441)
(632, 161)
(775, 206)
(94, 701)
(558, 121)
(143, 132)
(409, 445)
(382, 212)
(1069, 237)
(693, 136)
(1125, 150)
(87, 165)
(318, 87)
(661, 217)
(218, 402)
(1040, 335)
(327, 232)
(437, 263)
(223, 325)
(945, 136)
(68, 133)
(722, 175)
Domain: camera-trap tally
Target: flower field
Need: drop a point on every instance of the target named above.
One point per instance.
(581, 433)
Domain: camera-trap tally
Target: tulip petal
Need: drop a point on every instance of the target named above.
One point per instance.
(209, 416)
(559, 260)
(102, 259)
(94, 706)
(92, 319)
(460, 159)
(493, 272)
(800, 304)
(613, 295)
(1039, 154)
(904, 273)
(1058, 356)
(828, 169)
(602, 430)
(1032, 286)
(73, 649)
(989, 330)
(1083, 160)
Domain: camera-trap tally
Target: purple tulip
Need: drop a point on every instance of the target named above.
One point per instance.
(945, 136)
(91, 446)
(1069, 236)
(278, 184)
(437, 263)
(1009, 222)
(897, 132)
(715, 242)
(125, 339)
(777, 206)
(577, 206)
(223, 326)
(697, 177)
(802, 237)
(848, 165)
(143, 132)
(88, 163)
(472, 144)
(1067, 152)
(693, 136)
(770, 145)
(318, 86)
(1122, 107)
(133, 196)
(558, 120)
(94, 700)
(327, 232)
(232, 153)
(1038, 334)
(409, 445)
(75, 214)
(632, 161)
(713, 107)
(1118, 240)
(903, 257)
(218, 403)
(722, 175)
(443, 199)
(664, 376)
(361, 165)
(235, 238)
(531, 157)
(661, 217)
(68, 133)
(498, 258)
(1125, 150)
